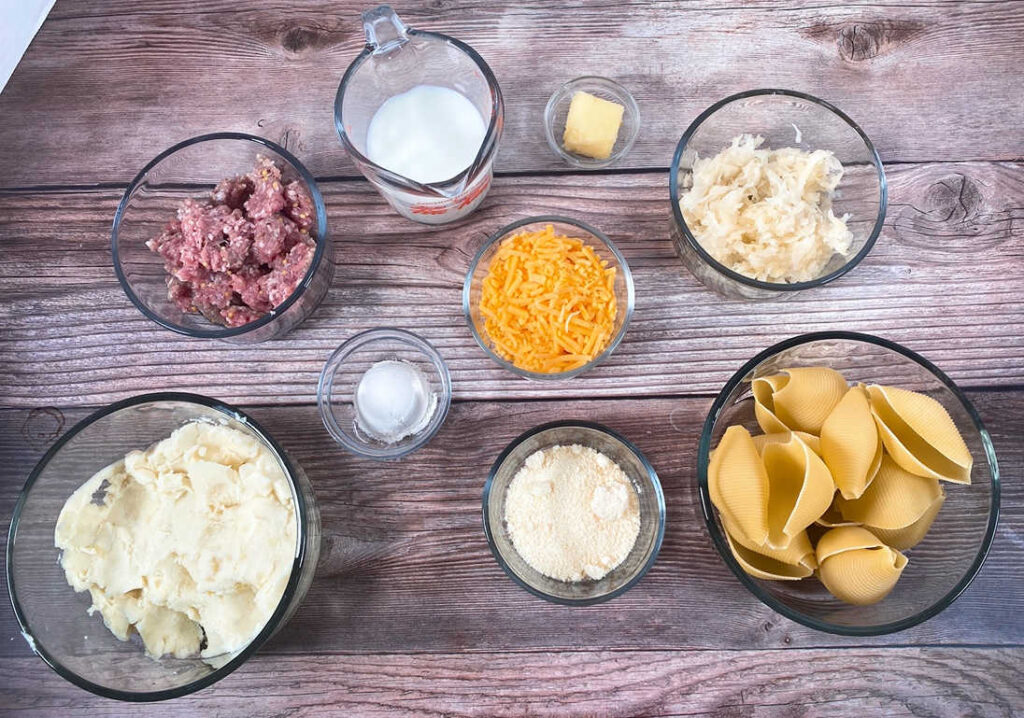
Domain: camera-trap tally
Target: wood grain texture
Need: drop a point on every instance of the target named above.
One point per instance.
(895, 682)
(105, 86)
(405, 566)
(946, 278)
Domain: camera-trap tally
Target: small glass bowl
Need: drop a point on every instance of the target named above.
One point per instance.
(784, 119)
(557, 110)
(644, 480)
(335, 394)
(190, 169)
(54, 619)
(624, 291)
(641, 474)
(944, 564)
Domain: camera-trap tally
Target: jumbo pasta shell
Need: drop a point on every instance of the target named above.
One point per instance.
(894, 500)
(796, 562)
(856, 567)
(850, 445)
(804, 401)
(800, 489)
(764, 389)
(738, 485)
(832, 518)
(910, 536)
(920, 435)
(781, 437)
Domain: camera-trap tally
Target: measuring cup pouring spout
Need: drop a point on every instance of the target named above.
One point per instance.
(395, 60)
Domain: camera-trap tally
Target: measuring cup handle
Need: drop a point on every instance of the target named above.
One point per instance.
(385, 31)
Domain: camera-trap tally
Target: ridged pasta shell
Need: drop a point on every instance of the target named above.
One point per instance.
(764, 389)
(738, 485)
(910, 536)
(832, 518)
(781, 437)
(856, 567)
(798, 399)
(920, 435)
(796, 562)
(850, 445)
(894, 500)
(800, 489)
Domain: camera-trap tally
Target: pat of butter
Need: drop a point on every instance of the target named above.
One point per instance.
(592, 126)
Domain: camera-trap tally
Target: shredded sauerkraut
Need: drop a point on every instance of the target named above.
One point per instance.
(767, 214)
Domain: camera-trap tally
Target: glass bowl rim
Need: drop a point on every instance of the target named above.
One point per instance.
(707, 509)
(504, 232)
(577, 161)
(272, 624)
(652, 476)
(677, 214)
(226, 332)
(326, 384)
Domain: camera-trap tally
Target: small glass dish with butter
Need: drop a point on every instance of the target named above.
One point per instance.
(599, 133)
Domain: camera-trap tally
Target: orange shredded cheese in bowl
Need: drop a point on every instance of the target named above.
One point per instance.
(548, 302)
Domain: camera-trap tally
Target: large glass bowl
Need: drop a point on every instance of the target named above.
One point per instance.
(53, 617)
(784, 119)
(624, 293)
(641, 474)
(191, 169)
(944, 564)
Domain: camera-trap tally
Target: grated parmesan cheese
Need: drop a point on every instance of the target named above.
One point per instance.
(572, 513)
(767, 214)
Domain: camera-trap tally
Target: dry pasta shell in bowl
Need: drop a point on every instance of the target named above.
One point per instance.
(865, 452)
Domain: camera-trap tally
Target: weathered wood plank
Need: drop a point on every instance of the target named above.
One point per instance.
(405, 566)
(106, 86)
(946, 278)
(895, 682)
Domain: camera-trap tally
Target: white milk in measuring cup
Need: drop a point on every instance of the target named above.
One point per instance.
(420, 114)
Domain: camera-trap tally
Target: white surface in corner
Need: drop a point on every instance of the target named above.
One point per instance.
(19, 22)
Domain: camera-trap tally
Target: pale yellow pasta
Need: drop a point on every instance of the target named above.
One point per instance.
(850, 445)
(795, 562)
(832, 518)
(800, 489)
(764, 389)
(738, 485)
(856, 567)
(781, 437)
(910, 536)
(798, 399)
(920, 435)
(894, 500)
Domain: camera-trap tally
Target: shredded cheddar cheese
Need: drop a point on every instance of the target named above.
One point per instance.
(548, 302)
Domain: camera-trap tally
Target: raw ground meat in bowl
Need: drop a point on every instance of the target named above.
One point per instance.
(224, 236)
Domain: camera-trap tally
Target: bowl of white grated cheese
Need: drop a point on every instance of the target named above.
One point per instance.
(573, 512)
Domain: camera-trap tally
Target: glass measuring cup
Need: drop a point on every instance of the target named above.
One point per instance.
(395, 60)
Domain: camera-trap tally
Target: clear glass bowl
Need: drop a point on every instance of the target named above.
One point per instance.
(53, 617)
(944, 564)
(191, 169)
(777, 115)
(557, 110)
(335, 393)
(624, 291)
(637, 468)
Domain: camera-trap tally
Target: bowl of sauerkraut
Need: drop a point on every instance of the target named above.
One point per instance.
(774, 191)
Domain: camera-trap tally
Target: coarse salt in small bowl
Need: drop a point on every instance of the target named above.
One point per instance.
(641, 475)
(338, 391)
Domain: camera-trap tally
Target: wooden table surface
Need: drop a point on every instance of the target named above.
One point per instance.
(409, 614)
